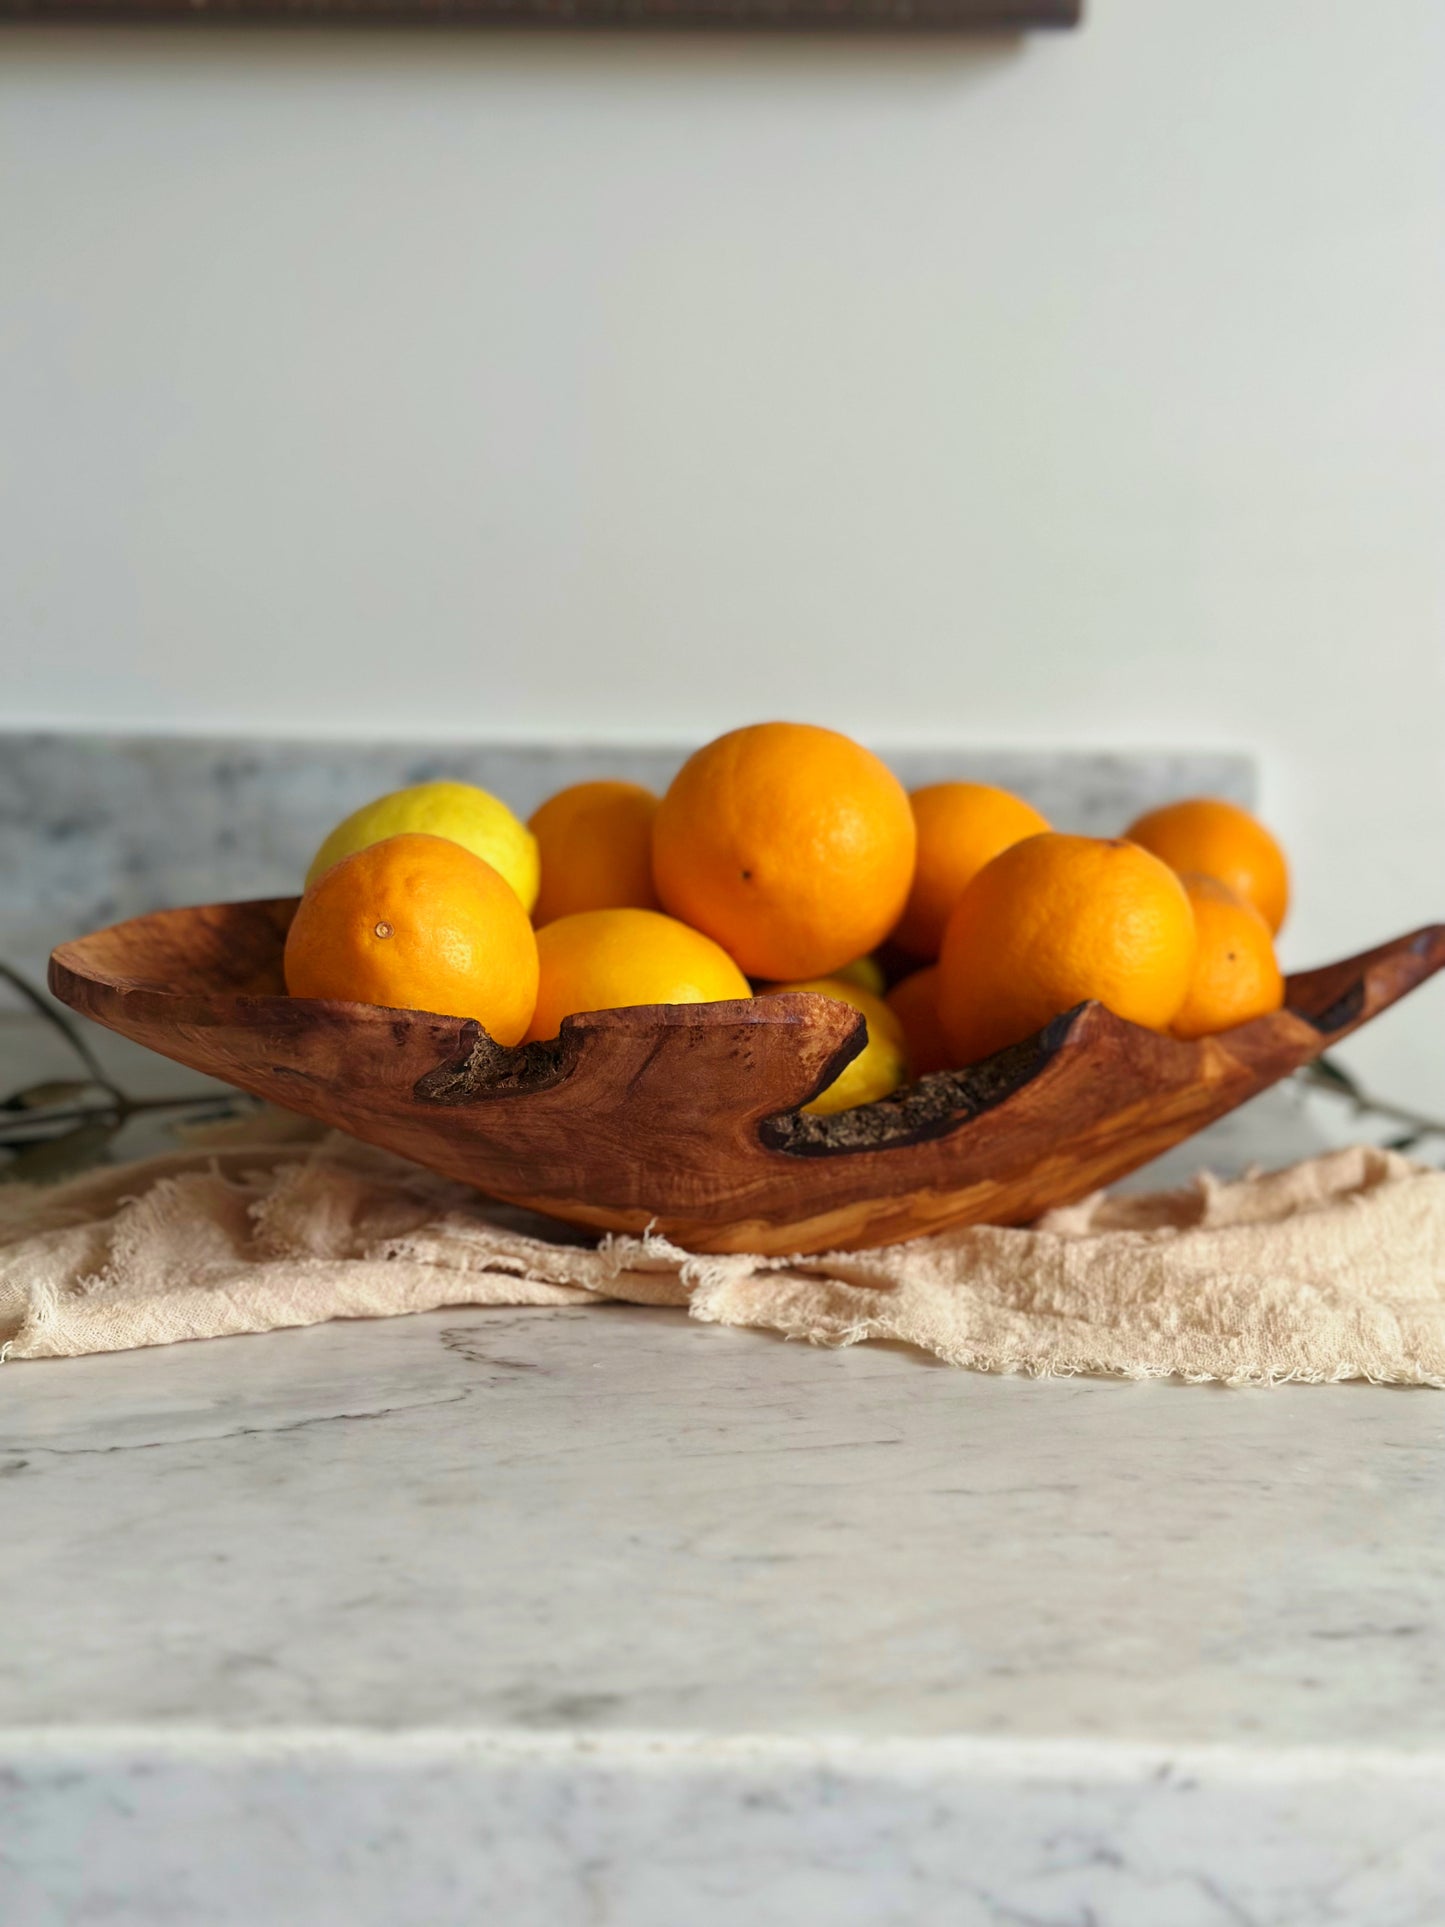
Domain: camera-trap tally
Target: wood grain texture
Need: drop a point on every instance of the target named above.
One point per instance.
(686, 1116)
(786, 16)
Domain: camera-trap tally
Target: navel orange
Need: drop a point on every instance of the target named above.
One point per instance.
(1056, 921)
(416, 922)
(1236, 977)
(1206, 836)
(882, 1064)
(608, 959)
(914, 1002)
(595, 845)
(961, 826)
(792, 845)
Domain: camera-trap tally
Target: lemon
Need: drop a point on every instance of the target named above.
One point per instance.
(882, 1064)
(866, 973)
(460, 811)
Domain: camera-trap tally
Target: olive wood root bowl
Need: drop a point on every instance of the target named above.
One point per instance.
(686, 1116)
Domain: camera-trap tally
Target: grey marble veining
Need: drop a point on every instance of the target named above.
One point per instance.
(97, 828)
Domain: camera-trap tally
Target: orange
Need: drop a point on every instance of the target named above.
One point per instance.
(608, 959)
(1235, 975)
(914, 1002)
(1209, 837)
(961, 826)
(792, 845)
(595, 842)
(882, 1064)
(416, 922)
(1054, 922)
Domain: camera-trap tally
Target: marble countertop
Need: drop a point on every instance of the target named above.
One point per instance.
(599, 1616)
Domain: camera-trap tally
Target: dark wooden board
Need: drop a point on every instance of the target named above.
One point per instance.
(827, 16)
(683, 1116)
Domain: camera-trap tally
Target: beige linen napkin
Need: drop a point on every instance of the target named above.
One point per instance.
(1333, 1269)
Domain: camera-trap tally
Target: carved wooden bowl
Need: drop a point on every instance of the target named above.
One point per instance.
(686, 1116)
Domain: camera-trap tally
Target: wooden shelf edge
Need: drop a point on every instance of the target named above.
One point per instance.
(786, 16)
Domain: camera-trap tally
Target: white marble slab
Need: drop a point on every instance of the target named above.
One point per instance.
(598, 1616)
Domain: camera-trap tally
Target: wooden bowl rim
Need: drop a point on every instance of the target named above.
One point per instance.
(472, 1066)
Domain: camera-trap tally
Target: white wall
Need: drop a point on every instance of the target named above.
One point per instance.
(1086, 389)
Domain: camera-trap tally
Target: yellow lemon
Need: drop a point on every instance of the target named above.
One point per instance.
(459, 811)
(866, 973)
(882, 1064)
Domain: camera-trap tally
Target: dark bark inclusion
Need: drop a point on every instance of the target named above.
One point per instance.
(484, 1068)
(926, 1109)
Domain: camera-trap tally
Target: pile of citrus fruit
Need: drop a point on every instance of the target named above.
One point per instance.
(786, 857)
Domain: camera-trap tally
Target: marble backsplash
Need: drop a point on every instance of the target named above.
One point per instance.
(96, 828)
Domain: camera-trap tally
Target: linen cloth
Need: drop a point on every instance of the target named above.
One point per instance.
(1332, 1269)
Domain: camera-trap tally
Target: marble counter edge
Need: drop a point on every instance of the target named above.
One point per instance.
(363, 1829)
(998, 1758)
